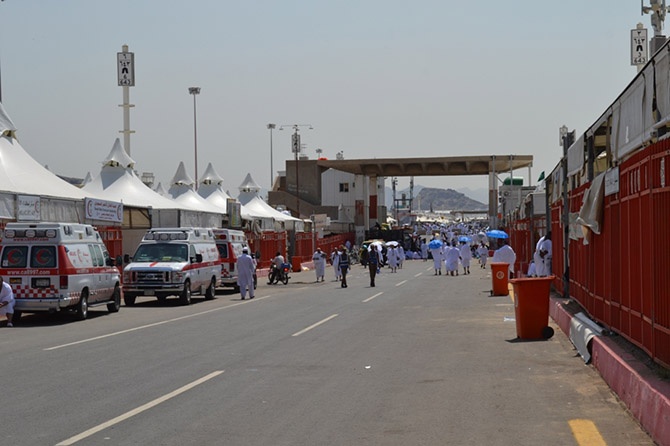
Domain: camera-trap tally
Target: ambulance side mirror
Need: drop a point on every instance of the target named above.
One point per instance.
(119, 260)
(126, 258)
(198, 258)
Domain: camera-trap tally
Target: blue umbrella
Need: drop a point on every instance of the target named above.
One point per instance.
(435, 244)
(496, 233)
(464, 238)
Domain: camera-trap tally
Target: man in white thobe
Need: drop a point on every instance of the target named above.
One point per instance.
(505, 254)
(319, 259)
(246, 266)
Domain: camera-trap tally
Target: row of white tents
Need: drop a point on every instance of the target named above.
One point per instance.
(29, 191)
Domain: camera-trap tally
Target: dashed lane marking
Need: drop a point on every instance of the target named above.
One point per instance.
(315, 325)
(132, 413)
(155, 324)
(372, 297)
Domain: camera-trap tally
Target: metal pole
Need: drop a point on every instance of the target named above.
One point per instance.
(195, 91)
(566, 219)
(297, 173)
(1, 75)
(272, 170)
(126, 117)
(195, 142)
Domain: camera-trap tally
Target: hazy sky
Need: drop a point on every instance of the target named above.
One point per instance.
(375, 78)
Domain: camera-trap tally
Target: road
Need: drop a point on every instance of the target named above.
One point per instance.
(418, 360)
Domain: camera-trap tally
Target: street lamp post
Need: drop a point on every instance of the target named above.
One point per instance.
(271, 127)
(195, 91)
(567, 138)
(295, 148)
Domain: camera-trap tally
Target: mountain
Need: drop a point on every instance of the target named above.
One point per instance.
(441, 199)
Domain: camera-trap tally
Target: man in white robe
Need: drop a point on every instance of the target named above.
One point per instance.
(319, 259)
(246, 266)
(505, 254)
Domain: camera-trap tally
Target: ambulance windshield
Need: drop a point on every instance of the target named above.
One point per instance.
(161, 252)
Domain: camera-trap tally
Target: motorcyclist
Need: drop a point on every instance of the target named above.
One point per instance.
(277, 262)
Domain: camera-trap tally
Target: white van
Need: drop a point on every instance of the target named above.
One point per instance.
(230, 243)
(173, 261)
(58, 266)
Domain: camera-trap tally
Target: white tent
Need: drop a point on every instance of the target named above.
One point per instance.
(253, 207)
(211, 189)
(20, 174)
(118, 181)
(160, 190)
(181, 190)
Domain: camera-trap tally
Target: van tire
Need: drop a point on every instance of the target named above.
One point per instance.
(82, 306)
(129, 300)
(115, 305)
(210, 292)
(185, 296)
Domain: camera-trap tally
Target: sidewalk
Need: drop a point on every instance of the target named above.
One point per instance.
(625, 371)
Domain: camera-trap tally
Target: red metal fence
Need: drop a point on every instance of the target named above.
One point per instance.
(622, 276)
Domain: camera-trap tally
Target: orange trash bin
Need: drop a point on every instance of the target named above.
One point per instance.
(500, 276)
(296, 265)
(531, 307)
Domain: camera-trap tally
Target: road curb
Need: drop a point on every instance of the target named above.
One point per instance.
(645, 395)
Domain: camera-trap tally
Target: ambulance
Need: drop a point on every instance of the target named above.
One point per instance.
(58, 266)
(173, 262)
(230, 243)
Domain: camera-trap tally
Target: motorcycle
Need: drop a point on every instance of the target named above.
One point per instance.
(279, 274)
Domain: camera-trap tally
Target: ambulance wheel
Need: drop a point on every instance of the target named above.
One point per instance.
(114, 306)
(129, 300)
(82, 307)
(547, 332)
(185, 296)
(210, 292)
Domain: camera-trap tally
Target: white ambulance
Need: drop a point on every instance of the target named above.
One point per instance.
(230, 243)
(58, 266)
(173, 262)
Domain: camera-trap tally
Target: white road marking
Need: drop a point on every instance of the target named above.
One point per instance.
(400, 283)
(372, 297)
(417, 275)
(155, 324)
(132, 413)
(315, 325)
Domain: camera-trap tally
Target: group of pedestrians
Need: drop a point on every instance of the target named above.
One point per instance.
(452, 255)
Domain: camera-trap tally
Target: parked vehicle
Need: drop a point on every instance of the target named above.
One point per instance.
(230, 243)
(173, 261)
(279, 274)
(58, 266)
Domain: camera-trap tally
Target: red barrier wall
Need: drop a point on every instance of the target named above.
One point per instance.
(621, 276)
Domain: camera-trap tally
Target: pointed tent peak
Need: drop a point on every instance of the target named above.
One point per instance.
(118, 157)
(181, 177)
(7, 127)
(249, 185)
(87, 179)
(160, 189)
(211, 176)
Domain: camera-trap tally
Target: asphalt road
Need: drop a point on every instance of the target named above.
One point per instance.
(418, 360)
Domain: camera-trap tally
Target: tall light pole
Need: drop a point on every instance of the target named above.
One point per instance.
(271, 127)
(295, 148)
(1, 75)
(195, 91)
(567, 138)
